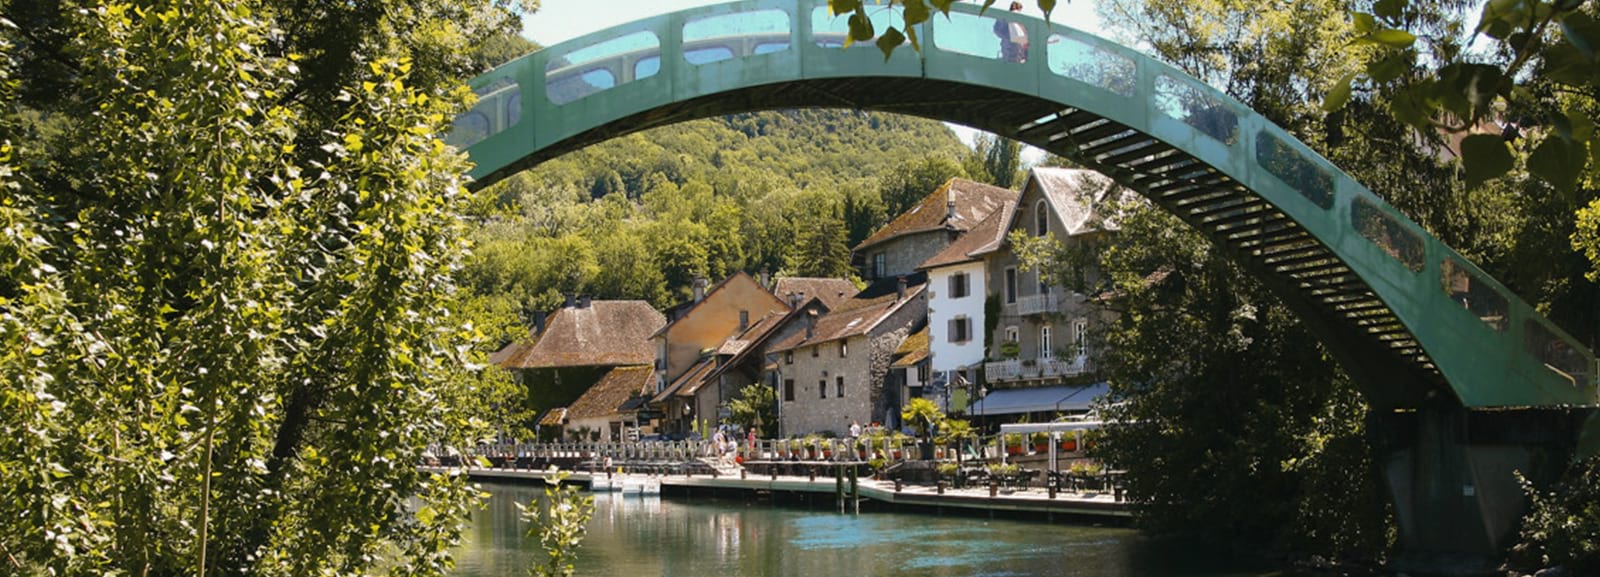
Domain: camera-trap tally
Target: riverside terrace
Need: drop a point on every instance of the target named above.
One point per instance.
(807, 469)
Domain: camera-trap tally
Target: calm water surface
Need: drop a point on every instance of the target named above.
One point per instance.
(702, 538)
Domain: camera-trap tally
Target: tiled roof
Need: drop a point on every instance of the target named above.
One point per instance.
(554, 417)
(971, 244)
(605, 333)
(832, 291)
(614, 389)
(689, 381)
(975, 201)
(912, 350)
(754, 338)
(859, 314)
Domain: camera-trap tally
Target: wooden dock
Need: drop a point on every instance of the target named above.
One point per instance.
(1033, 501)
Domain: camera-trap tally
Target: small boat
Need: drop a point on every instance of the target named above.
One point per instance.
(641, 487)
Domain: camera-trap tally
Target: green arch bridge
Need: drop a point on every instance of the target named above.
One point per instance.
(1466, 380)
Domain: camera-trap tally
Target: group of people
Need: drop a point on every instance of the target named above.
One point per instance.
(725, 443)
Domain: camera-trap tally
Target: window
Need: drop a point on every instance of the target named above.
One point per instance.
(1080, 335)
(922, 372)
(960, 285)
(1013, 335)
(1011, 285)
(1469, 290)
(960, 330)
(788, 390)
(838, 387)
(1045, 351)
(1041, 219)
(1388, 233)
(788, 357)
(814, 351)
(879, 266)
(844, 349)
(822, 389)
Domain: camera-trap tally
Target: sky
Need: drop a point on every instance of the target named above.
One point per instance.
(560, 20)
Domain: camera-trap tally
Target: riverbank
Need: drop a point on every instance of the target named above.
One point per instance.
(1022, 502)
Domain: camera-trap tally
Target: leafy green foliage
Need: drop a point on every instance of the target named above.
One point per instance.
(229, 323)
(1562, 527)
(560, 522)
(757, 403)
(923, 415)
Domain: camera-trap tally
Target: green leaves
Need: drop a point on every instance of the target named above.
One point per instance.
(890, 39)
(1484, 157)
(1339, 94)
(1559, 161)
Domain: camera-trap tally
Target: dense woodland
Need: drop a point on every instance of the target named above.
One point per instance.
(787, 192)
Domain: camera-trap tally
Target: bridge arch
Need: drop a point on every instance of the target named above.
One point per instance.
(1407, 316)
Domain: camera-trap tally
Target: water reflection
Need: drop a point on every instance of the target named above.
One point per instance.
(674, 536)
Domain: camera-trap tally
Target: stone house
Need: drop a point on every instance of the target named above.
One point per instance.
(688, 348)
(1041, 336)
(920, 232)
(571, 349)
(831, 366)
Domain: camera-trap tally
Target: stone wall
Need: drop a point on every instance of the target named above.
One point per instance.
(809, 412)
(903, 254)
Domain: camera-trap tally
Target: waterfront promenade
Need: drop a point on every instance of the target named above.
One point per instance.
(1025, 501)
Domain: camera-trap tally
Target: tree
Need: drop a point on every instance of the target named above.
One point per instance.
(757, 406)
(909, 183)
(1002, 158)
(229, 323)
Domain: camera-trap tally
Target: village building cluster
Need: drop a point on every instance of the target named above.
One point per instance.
(948, 312)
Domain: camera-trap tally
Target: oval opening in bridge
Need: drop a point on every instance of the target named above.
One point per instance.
(1557, 354)
(725, 36)
(597, 67)
(981, 36)
(1468, 289)
(1189, 103)
(1294, 169)
(1092, 64)
(1388, 234)
(499, 107)
(830, 31)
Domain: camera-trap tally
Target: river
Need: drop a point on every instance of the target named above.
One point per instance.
(705, 538)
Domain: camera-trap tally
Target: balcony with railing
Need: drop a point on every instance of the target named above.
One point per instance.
(1017, 369)
(1039, 304)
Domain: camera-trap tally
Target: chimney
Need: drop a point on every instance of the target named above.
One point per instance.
(900, 289)
(572, 301)
(766, 279)
(699, 288)
(950, 209)
(583, 301)
(811, 324)
(794, 300)
(538, 322)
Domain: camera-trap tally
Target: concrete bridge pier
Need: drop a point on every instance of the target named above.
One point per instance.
(1452, 477)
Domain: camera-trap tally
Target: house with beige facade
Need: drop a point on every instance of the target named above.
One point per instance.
(689, 348)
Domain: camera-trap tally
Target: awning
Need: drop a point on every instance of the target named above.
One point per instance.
(1039, 400)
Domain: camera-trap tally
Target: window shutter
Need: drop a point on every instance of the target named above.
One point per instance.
(955, 286)
(966, 284)
(950, 331)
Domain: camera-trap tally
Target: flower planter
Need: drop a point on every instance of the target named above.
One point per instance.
(1069, 445)
(1010, 450)
(1041, 447)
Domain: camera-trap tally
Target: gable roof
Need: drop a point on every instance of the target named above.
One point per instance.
(605, 333)
(971, 244)
(1076, 196)
(614, 389)
(860, 314)
(974, 201)
(554, 417)
(689, 381)
(753, 338)
(683, 310)
(832, 291)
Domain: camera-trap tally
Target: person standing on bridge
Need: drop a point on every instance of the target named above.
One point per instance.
(1013, 38)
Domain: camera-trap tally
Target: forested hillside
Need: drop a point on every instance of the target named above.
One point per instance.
(640, 216)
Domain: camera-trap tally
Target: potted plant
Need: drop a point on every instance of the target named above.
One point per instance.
(1012, 443)
(1041, 442)
(1010, 349)
(1069, 444)
(877, 465)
